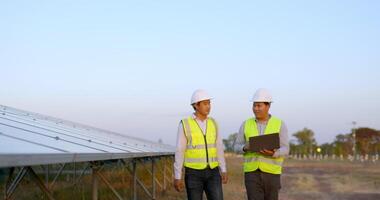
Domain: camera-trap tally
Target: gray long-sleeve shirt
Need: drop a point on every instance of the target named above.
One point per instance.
(283, 151)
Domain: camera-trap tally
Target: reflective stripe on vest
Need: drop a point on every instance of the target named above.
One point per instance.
(201, 146)
(195, 153)
(199, 160)
(254, 161)
(263, 159)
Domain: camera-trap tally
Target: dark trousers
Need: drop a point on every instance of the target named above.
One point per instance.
(207, 180)
(261, 185)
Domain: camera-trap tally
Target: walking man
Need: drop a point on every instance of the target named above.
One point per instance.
(262, 170)
(200, 151)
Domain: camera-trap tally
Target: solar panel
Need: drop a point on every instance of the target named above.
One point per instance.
(28, 138)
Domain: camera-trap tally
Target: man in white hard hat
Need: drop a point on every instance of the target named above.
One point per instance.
(200, 151)
(262, 170)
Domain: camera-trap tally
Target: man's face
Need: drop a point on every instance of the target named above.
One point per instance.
(260, 109)
(203, 107)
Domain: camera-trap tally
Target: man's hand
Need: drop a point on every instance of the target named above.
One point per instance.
(246, 147)
(266, 152)
(178, 185)
(224, 177)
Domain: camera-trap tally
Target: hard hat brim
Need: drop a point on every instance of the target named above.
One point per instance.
(201, 100)
(260, 101)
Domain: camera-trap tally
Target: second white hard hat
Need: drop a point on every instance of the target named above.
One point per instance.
(199, 95)
(262, 95)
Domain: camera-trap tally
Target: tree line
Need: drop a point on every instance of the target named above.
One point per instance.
(360, 141)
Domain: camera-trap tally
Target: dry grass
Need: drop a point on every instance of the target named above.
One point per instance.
(309, 180)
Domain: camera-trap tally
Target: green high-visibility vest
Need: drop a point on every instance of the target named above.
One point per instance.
(201, 149)
(254, 161)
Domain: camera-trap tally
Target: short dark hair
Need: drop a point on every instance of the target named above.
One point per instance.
(197, 103)
(266, 103)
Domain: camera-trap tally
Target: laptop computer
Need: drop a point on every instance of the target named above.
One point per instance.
(261, 142)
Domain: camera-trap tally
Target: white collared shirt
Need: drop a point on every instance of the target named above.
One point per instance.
(181, 147)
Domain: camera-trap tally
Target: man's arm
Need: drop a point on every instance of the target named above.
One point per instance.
(180, 152)
(179, 157)
(283, 151)
(240, 142)
(220, 154)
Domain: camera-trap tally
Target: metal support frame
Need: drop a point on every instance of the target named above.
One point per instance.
(96, 173)
(96, 168)
(76, 181)
(46, 175)
(56, 177)
(153, 180)
(157, 165)
(9, 180)
(168, 179)
(136, 181)
(11, 186)
(108, 184)
(75, 172)
(156, 181)
(134, 173)
(95, 182)
(164, 173)
(40, 183)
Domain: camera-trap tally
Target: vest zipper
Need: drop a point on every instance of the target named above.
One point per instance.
(204, 137)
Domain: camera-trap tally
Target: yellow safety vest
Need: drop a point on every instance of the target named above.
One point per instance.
(254, 161)
(201, 149)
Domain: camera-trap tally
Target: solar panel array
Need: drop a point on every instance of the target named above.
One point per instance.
(28, 138)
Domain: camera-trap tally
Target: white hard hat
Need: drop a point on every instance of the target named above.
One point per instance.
(199, 95)
(262, 95)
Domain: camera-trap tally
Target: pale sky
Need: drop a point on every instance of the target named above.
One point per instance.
(131, 66)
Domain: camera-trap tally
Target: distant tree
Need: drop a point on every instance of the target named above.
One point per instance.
(305, 141)
(376, 145)
(343, 144)
(367, 140)
(229, 143)
(327, 148)
(294, 149)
